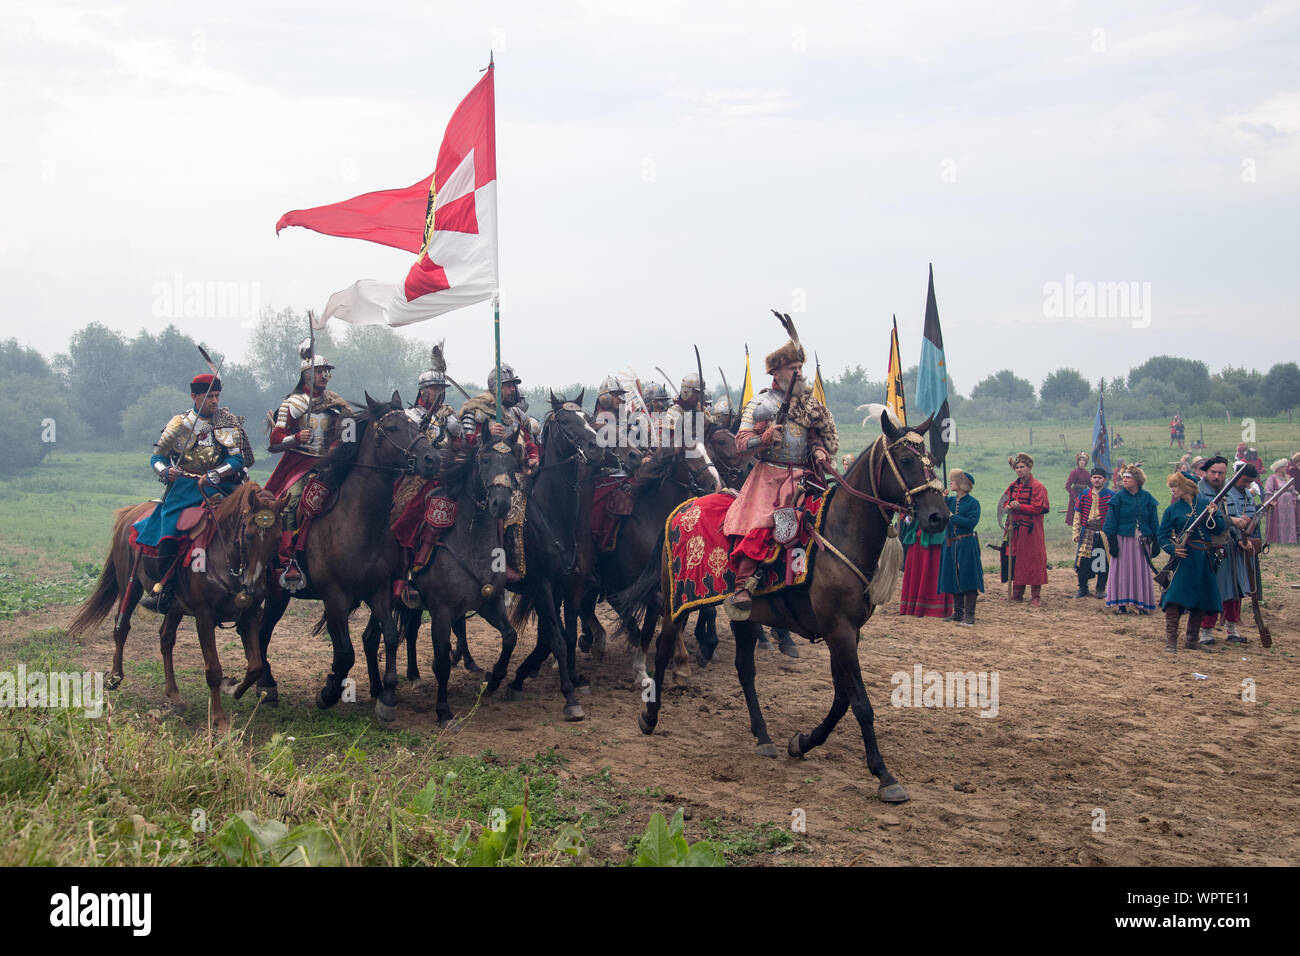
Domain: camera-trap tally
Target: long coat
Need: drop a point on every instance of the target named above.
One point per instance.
(1233, 576)
(1194, 585)
(1027, 545)
(1132, 511)
(959, 567)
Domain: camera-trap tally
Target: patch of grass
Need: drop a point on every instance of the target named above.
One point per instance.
(739, 843)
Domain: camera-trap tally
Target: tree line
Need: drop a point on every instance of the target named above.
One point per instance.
(110, 391)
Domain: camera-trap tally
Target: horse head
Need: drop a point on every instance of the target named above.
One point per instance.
(498, 470)
(570, 421)
(258, 520)
(399, 442)
(905, 474)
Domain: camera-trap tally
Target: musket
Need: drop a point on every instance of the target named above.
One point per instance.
(1166, 574)
(1268, 503)
(1252, 565)
(216, 374)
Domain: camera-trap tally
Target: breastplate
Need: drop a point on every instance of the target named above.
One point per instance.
(318, 423)
(792, 449)
(203, 453)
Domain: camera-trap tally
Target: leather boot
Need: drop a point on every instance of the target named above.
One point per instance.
(741, 601)
(969, 617)
(1034, 592)
(1172, 614)
(1193, 627)
(1017, 592)
(958, 608)
(160, 598)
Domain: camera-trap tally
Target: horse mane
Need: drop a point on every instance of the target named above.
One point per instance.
(237, 502)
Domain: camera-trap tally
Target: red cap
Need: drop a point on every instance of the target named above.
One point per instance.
(200, 383)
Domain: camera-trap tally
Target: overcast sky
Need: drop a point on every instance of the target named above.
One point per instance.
(669, 172)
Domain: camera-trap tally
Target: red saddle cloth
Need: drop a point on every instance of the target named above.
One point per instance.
(609, 504)
(196, 529)
(700, 554)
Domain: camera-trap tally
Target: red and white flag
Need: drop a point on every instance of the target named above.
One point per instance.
(449, 220)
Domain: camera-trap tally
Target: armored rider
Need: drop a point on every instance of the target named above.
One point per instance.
(680, 432)
(478, 418)
(201, 453)
(305, 428)
(792, 434)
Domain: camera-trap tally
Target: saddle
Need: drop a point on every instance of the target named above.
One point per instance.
(700, 554)
(196, 528)
(611, 501)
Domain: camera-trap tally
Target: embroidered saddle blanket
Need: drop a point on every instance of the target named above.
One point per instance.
(195, 529)
(700, 554)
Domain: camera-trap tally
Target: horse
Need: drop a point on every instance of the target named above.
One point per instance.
(351, 554)
(462, 575)
(552, 517)
(228, 583)
(894, 473)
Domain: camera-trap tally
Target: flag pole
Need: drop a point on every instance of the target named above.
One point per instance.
(496, 247)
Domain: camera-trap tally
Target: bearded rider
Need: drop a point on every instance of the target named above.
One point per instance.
(804, 441)
(478, 418)
(304, 429)
(201, 453)
(681, 432)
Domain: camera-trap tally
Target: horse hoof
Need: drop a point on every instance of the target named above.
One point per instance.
(324, 702)
(645, 725)
(384, 712)
(766, 750)
(790, 650)
(512, 694)
(574, 712)
(413, 681)
(473, 667)
(795, 747)
(490, 686)
(584, 643)
(228, 685)
(114, 681)
(270, 696)
(894, 793)
(702, 661)
(584, 688)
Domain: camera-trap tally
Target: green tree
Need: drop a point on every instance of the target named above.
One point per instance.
(1190, 378)
(1005, 386)
(95, 372)
(1065, 386)
(35, 418)
(1282, 387)
(144, 419)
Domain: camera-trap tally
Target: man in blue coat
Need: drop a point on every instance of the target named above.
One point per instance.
(1233, 575)
(201, 453)
(1193, 588)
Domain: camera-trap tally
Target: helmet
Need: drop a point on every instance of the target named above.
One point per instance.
(432, 378)
(316, 361)
(507, 376)
(656, 392)
(612, 386)
(722, 407)
(691, 383)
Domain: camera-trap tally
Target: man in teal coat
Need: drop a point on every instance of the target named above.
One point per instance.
(960, 571)
(1194, 588)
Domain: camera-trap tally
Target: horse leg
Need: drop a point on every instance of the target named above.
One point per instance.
(248, 626)
(551, 640)
(166, 642)
(570, 633)
(411, 630)
(706, 634)
(593, 631)
(370, 647)
(462, 647)
(122, 627)
(746, 639)
(272, 610)
(495, 614)
(843, 644)
(652, 689)
(381, 603)
(800, 744)
(206, 627)
(336, 621)
(440, 624)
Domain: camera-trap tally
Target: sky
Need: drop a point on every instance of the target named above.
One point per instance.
(668, 173)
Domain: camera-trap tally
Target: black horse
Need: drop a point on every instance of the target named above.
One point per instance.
(351, 554)
(569, 444)
(893, 474)
(467, 571)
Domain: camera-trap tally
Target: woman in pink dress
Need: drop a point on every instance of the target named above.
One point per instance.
(1282, 516)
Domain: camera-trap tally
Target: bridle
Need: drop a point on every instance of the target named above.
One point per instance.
(882, 453)
(410, 467)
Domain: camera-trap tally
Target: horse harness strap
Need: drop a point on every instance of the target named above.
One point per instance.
(825, 543)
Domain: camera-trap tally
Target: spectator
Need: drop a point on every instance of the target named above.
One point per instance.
(960, 571)
(1193, 588)
(1282, 516)
(1131, 525)
(1075, 485)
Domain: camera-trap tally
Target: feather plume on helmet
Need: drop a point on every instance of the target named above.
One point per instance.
(790, 352)
(436, 374)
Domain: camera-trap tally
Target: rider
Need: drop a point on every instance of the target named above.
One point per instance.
(792, 434)
(431, 412)
(478, 418)
(201, 453)
(681, 432)
(722, 412)
(305, 428)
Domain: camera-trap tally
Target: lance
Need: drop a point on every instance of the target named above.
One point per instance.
(496, 326)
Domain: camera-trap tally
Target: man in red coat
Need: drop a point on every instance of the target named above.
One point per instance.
(1027, 549)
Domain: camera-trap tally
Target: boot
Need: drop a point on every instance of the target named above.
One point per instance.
(1193, 626)
(969, 617)
(1234, 636)
(958, 605)
(1017, 592)
(1083, 588)
(741, 601)
(1034, 592)
(160, 598)
(1172, 614)
(1101, 585)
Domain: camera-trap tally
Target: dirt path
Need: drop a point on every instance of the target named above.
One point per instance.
(1092, 715)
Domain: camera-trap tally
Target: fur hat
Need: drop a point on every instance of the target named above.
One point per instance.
(1280, 463)
(789, 354)
(1022, 457)
(1180, 482)
(1138, 474)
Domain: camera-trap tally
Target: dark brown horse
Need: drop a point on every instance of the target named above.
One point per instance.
(894, 473)
(226, 582)
(351, 554)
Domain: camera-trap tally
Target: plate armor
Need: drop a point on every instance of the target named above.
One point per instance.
(792, 449)
(204, 448)
(296, 413)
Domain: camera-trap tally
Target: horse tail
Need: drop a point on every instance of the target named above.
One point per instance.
(521, 611)
(639, 600)
(320, 625)
(105, 596)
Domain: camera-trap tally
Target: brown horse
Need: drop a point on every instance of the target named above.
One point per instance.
(226, 582)
(893, 474)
